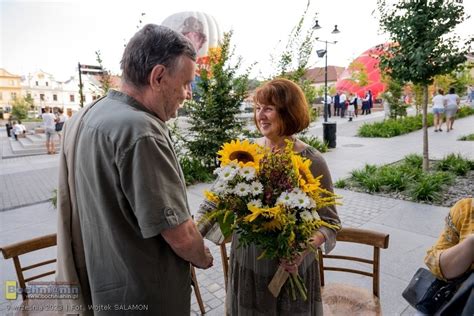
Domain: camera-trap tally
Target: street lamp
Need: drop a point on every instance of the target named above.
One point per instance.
(329, 129)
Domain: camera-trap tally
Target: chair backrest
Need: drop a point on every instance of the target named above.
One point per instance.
(14, 251)
(225, 260)
(360, 236)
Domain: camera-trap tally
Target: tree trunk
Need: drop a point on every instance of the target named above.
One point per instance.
(426, 162)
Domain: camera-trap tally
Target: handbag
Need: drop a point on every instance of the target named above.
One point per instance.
(59, 126)
(428, 294)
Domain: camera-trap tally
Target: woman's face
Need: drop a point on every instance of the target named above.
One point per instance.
(268, 120)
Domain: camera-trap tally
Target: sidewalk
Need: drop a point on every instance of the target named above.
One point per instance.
(413, 227)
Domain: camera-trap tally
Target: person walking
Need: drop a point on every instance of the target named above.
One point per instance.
(452, 103)
(125, 232)
(342, 104)
(439, 104)
(49, 124)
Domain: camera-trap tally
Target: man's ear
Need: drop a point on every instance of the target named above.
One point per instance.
(156, 76)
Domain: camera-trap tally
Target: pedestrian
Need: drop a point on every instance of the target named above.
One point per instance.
(370, 102)
(336, 104)
(327, 106)
(439, 104)
(470, 96)
(342, 104)
(60, 120)
(125, 229)
(357, 105)
(49, 125)
(351, 106)
(452, 103)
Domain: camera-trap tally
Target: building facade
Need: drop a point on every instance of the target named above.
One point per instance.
(10, 90)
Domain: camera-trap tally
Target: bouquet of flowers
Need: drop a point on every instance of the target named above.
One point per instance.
(271, 199)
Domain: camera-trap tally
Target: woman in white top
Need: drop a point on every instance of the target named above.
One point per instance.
(452, 103)
(439, 104)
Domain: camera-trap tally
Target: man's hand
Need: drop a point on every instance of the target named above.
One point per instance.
(209, 257)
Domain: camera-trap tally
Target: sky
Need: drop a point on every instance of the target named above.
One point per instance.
(55, 35)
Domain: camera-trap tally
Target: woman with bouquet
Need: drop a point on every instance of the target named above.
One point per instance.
(280, 112)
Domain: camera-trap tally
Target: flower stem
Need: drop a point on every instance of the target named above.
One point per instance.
(298, 281)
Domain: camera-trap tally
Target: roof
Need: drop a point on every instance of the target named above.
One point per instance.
(5, 73)
(316, 75)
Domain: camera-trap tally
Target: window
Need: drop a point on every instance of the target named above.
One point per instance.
(42, 97)
(13, 95)
(71, 97)
(47, 83)
(1, 95)
(36, 83)
(55, 97)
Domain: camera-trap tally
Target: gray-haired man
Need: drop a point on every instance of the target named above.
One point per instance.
(125, 231)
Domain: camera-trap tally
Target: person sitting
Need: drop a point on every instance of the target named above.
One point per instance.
(453, 254)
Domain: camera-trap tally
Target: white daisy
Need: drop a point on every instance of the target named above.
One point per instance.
(285, 198)
(242, 189)
(220, 187)
(228, 173)
(306, 216)
(248, 173)
(256, 203)
(300, 200)
(256, 188)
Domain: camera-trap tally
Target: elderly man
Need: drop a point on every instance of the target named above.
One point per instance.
(125, 231)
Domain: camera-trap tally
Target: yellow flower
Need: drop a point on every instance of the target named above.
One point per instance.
(306, 180)
(211, 197)
(245, 153)
(257, 211)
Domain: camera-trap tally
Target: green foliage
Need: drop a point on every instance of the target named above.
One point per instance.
(212, 115)
(104, 77)
(315, 142)
(340, 184)
(469, 137)
(413, 161)
(425, 43)
(465, 111)
(359, 74)
(408, 177)
(454, 163)
(393, 127)
(428, 186)
(194, 171)
(393, 95)
(20, 108)
(251, 133)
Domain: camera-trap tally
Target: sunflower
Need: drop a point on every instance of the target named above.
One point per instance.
(245, 153)
(306, 180)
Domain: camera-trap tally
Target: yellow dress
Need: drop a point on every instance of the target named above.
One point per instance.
(459, 225)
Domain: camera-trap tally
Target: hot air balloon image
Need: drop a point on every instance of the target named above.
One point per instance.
(363, 74)
(201, 29)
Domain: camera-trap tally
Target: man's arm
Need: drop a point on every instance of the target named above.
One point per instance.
(187, 242)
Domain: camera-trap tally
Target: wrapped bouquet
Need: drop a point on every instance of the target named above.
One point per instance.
(270, 199)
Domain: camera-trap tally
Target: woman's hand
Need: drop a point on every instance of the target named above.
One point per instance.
(291, 266)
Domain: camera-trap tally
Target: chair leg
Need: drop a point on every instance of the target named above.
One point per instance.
(197, 292)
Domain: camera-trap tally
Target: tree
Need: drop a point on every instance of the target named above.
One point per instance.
(20, 108)
(213, 112)
(292, 64)
(393, 95)
(104, 76)
(423, 45)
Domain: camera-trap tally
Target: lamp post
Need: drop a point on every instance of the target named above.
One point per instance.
(329, 128)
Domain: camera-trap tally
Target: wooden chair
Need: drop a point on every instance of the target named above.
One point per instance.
(341, 298)
(14, 252)
(225, 260)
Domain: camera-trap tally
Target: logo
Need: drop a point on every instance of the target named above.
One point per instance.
(10, 290)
